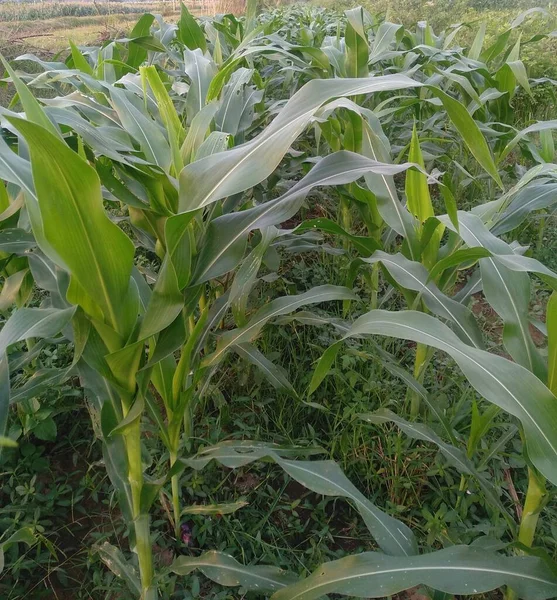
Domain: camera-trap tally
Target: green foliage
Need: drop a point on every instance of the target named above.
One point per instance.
(213, 226)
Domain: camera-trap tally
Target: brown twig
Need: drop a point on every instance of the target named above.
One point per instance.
(514, 495)
(24, 37)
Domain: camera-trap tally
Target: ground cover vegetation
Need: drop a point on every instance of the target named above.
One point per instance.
(279, 316)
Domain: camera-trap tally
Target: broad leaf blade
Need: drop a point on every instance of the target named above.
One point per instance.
(506, 384)
(225, 570)
(457, 570)
(69, 192)
(236, 170)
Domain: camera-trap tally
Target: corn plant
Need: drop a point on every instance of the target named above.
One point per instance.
(175, 143)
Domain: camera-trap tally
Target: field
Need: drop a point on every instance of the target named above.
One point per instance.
(278, 301)
(46, 27)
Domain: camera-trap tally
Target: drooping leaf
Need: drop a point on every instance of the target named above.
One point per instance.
(225, 570)
(279, 306)
(455, 456)
(226, 236)
(117, 563)
(530, 198)
(414, 276)
(502, 382)
(322, 477)
(274, 374)
(244, 166)
(506, 285)
(33, 322)
(33, 110)
(457, 570)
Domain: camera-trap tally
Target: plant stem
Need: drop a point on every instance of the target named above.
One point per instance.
(175, 482)
(541, 230)
(345, 218)
(374, 285)
(533, 504)
(145, 557)
(419, 372)
(141, 521)
(461, 489)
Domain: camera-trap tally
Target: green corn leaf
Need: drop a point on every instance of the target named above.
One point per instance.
(100, 139)
(530, 198)
(79, 61)
(551, 320)
(24, 535)
(246, 276)
(33, 323)
(4, 398)
(131, 419)
(166, 301)
(375, 146)
(460, 570)
(41, 381)
(278, 307)
(502, 382)
(274, 374)
(506, 285)
(477, 44)
(225, 570)
(535, 128)
(240, 168)
(69, 191)
(148, 134)
(99, 392)
(519, 20)
(385, 36)
(251, 16)
(470, 132)
(496, 48)
(419, 200)
(216, 141)
(226, 236)
(15, 169)
(124, 364)
(364, 245)
(464, 255)
(547, 146)
(16, 241)
(390, 363)
(214, 509)
(357, 45)
(455, 456)
(117, 563)
(323, 366)
(137, 53)
(414, 276)
(201, 70)
(170, 118)
(417, 190)
(197, 131)
(33, 110)
(147, 42)
(323, 477)
(238, 101)
(189, 31)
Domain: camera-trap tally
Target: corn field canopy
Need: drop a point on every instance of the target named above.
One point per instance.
(156, 195)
